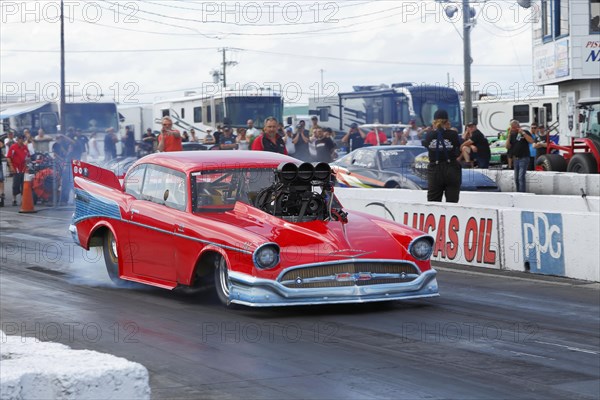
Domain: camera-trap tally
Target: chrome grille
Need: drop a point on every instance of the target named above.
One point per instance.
(349, 274)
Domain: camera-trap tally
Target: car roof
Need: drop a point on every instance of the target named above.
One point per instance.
(189, 161)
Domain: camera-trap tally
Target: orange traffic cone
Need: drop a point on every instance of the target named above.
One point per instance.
(27, 196)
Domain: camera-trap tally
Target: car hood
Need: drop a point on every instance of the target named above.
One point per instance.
(364, 236)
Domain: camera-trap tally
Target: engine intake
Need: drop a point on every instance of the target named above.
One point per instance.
(295, 194)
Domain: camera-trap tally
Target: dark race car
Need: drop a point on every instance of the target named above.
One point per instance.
(398, 167)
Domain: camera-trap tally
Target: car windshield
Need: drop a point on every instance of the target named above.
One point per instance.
(398, 157)
(220, 189)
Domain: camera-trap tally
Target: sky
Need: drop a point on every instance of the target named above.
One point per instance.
(145, 51)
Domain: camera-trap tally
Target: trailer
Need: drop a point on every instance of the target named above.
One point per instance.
(138, 118)
(493, 115)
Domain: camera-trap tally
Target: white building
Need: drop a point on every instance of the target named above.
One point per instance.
(566, 52)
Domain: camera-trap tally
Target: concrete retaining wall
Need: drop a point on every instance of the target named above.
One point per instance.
(554, 235)
(552, 183)
(30, 369)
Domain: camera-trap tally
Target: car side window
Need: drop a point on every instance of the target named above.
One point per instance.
(134, 181)
(365, 159)
(165, 186)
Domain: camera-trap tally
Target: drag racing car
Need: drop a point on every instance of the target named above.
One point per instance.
(402, 167)
(262, 229)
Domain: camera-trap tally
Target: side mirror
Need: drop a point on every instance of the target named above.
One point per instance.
(581, 118)
(166, 195)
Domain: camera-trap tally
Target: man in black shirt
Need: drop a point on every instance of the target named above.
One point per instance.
(324, 145)
(477, 146)
(355, 137)
(444, 172)
(227, 139)
(518, 141)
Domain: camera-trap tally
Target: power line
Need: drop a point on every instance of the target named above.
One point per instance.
(357, 60)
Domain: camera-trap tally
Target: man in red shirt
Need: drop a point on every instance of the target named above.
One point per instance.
(269, 140)
(376, 137)
(169, 138)
(16, 158)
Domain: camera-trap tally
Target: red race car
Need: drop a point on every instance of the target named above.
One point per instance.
(264, 229)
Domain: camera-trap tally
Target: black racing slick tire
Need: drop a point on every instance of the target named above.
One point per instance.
(551, 162)
(583, 163)
(111, 259)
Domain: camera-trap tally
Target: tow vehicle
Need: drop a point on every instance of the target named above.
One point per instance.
(582, 155)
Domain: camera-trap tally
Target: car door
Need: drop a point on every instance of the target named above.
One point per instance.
(155, 217)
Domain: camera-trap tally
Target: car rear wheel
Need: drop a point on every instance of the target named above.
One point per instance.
(222, 283)
(551, 162)
(583, 163)
(111, 259)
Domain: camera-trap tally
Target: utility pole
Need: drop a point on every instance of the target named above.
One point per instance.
(224, 65)
(467, 25)
(62, 68)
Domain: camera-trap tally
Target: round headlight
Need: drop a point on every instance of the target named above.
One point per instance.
(421, 248)
(266, 256)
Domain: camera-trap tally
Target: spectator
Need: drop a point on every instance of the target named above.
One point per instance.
(541, 142)
(209, 138)
(129, 143)
(148, 142)
(315, 125)
(185, 137)
(16, 158)
(227, 141)
(269, 140)
(9, 140)
(74, 152)
(169, 138)
(41, 142)
(413, 134)
(355, 137)
(242, 139)
(518, 140)
(398, 137)
(83, 142)
(28, 141)
(218, 133)
(110, 144)
(301, 140)
(288, 138)
(193, 137)
(476, 147)
(94, 150)
(324, 145)
(251, 131)
(376, 137)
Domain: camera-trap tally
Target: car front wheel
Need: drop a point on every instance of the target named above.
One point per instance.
(222, 283)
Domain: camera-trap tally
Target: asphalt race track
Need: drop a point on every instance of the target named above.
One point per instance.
(489, 335)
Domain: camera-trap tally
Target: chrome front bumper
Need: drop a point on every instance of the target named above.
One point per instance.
(256, 292)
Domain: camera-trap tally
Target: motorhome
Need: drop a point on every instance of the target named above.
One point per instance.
(382, 104)
(232, 108)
